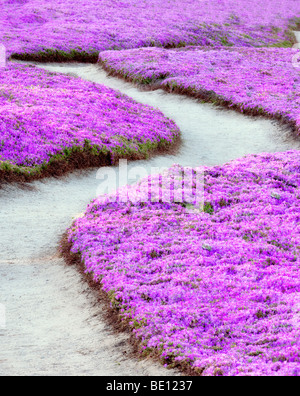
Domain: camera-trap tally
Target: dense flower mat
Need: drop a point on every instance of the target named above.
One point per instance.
(257, 81)
(63, 29)
(47, 115)
(215, 290)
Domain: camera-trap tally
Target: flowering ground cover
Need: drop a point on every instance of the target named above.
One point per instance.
(47, 117)
(62, 30)
(213, 291)
(251, 80)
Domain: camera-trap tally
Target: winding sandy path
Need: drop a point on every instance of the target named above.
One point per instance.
(54, 322)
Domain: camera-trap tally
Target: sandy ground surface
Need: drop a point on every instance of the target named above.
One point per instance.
(54, 324)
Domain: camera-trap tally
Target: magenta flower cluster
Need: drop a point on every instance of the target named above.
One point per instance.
(216, 290)
(43, 114)
(255, 80)
(30, 26)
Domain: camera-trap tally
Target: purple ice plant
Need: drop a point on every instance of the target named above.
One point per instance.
(45, 115)
(215, 291)
(64, 30)
(252, 80)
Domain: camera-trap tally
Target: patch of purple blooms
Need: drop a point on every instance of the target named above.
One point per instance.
(43, 114)
(253, 80)
(30, 26)
(215, 290)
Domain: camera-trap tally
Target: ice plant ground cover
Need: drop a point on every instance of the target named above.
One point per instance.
(47, 116)
(251, 80)
(62, 30)
(213, 291)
